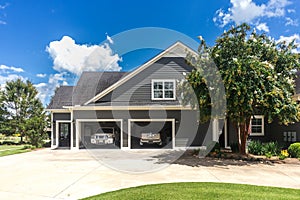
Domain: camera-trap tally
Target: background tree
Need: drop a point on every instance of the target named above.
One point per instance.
(24, 111)
(258, 76)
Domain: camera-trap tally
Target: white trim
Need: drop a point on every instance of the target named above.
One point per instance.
(57, 130)
(72, 131)
(64, 110)
(262, 126)
(149, 107)
(78, 128)
(225, 134)
(163, 89)
(52, 138)
(139, 69)
(172, 120)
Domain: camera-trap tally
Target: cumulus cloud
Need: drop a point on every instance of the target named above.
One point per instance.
(250, 12)
(41, 75)
(76, 58)
(7, 69)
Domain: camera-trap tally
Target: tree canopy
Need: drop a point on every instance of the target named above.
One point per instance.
(22, 112)
(258, 75)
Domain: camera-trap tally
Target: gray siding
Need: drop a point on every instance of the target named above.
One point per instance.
(272, 132)
(61, 116)
(138, 88)
(185, 126)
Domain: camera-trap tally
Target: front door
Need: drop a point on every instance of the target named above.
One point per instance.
(64, 134)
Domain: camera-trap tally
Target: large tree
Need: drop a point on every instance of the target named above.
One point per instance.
(258, 75)
(23, 112)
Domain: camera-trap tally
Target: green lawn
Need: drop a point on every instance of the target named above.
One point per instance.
(173, 191)
(6, 150)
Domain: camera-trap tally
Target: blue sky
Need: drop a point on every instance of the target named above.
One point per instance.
(52, 42)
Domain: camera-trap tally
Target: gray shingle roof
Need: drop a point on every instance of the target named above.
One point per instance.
(62, 97)
(92, 83)
(89, 85)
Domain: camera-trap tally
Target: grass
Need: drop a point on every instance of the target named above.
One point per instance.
(6, 150)
(174, 191)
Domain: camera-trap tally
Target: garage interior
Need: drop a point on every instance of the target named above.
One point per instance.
(89, 129)
(164, 129)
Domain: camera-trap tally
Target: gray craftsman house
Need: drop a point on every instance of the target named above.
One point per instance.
(142, 109)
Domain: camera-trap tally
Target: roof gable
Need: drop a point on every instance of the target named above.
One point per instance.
(176, 50)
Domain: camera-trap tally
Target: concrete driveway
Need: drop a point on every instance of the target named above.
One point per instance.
(63, 174)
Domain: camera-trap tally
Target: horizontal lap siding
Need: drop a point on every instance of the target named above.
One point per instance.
(138, 88)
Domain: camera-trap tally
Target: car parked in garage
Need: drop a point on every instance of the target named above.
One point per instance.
(150, 138)
(103, 136)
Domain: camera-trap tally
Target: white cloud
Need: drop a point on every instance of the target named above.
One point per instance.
(288, 39)
(109, 39)
(7, 69)
(2, 7)
(46, 90)
(263, 27)
(250, 12)
(291, 22)
(291, 10)
(41, 75)
(9, 77)
(76, 58)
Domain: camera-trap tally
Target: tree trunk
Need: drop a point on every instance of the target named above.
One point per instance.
(243, 131)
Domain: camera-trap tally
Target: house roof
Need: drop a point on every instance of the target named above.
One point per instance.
(62, 97)
(89, 84)
(176, 50)
(92, 83)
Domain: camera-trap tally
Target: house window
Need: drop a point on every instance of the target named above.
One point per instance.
(163, 89)
(257, 125)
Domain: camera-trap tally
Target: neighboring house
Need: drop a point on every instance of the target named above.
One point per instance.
(142, 102)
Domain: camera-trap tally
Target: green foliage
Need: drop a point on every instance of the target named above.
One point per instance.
(269, 149)
(22, 111)
(258, 75)
(294, 150)
(255, 147)
(283, 154)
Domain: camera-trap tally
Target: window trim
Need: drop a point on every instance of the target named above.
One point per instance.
(262, 125)
(163, 81)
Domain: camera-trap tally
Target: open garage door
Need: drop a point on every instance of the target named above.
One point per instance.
(100, 134)
(151, 134)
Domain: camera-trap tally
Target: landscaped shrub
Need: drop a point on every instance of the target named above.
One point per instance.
(283, 154)
(294, 150)
(255, 147)
(271, 148)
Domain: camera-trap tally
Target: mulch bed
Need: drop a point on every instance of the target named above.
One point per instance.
(227, 158)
